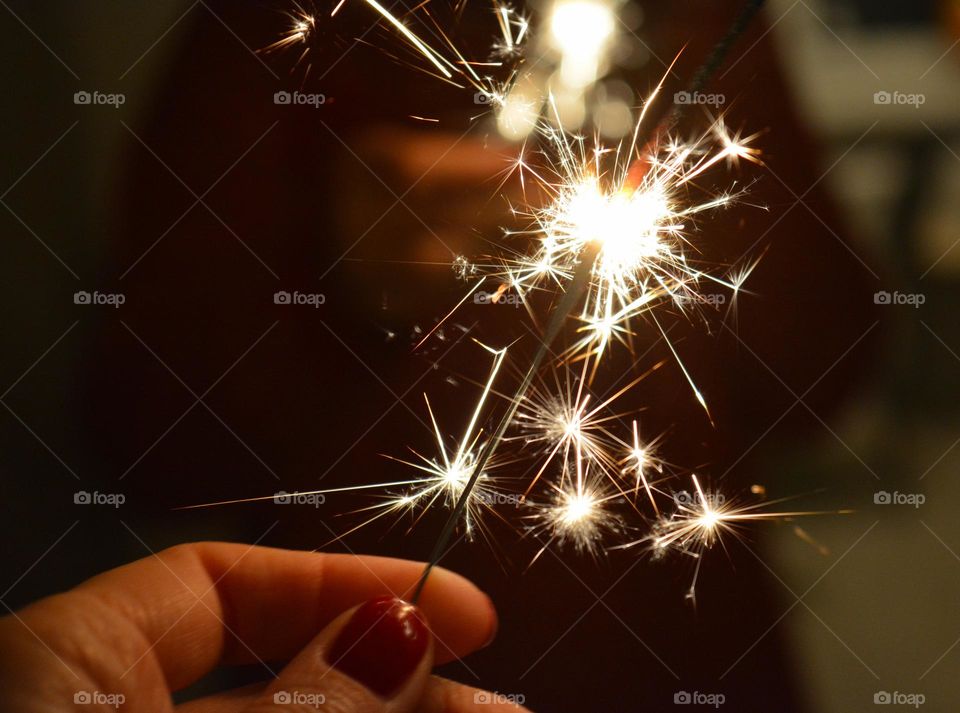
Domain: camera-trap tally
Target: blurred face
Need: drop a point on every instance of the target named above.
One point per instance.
(422, 198)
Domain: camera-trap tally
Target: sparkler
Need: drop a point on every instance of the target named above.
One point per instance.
(618, 241)
(611, 238)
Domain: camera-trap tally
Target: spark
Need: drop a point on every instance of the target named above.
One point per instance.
(440, 478)
(562, 422)
(578, 515)
(641, 459)
(513, 30)
(700, 520)
(703, 517)
(424, 49)
(302, 26)
(612, 232)
(634, 210)
(445, 60)
(630, 211)
(448, 473)
(299, 33)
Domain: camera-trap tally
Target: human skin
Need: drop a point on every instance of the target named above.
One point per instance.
(150, 628)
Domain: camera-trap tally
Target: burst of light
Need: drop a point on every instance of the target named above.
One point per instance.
(568, 430)
(578, 515)
(448, 474)
(699, 521)
(444, 60)
(513, 31)
(435, 59)
(302, 26)
(441, 478)
(519, 111)
(580, 31)
(631, 213)
(640, 461)
(299, 33)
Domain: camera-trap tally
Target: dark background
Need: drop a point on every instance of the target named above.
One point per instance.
(199, 388)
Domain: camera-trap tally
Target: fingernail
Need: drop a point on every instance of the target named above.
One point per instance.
(381, 645)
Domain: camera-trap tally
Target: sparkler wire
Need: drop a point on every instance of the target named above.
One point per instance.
(579, 284)
(722, 48)
(564, 309)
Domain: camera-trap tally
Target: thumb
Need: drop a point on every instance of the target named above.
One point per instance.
(375, 658)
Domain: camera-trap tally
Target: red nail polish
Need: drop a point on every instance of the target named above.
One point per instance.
(381, 645)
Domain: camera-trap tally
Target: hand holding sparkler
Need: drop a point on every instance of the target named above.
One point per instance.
(611, 239)
(133, 636)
